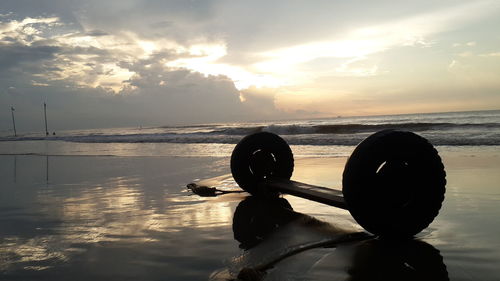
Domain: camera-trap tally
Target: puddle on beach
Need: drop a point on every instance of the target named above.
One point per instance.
(124, 218)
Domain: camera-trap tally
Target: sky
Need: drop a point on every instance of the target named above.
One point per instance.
(122, 63)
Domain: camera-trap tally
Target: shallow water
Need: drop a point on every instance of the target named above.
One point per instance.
(131, 218)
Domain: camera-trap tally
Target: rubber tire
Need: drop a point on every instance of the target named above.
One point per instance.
(269, 143)
(367, 193)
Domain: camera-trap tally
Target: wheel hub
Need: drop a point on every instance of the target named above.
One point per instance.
(392, 178)
(262, 163)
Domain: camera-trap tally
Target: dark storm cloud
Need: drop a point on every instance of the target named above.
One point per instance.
(64, 9)
(59, 72)
(173, 97)
(13, 56)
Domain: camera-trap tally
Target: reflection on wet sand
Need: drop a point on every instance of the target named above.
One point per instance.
(114, 211)
(255, 219)
(268, 229)
(151, 228)
(32, 254)
(396, 260)
(118, 209)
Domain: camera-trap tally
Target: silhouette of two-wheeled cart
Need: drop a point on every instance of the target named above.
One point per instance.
(393, 183)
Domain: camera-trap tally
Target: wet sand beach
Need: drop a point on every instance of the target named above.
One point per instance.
(123, 123)
(131, 218)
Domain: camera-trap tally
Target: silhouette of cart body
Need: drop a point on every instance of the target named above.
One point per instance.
(315, 193)
(393, 183)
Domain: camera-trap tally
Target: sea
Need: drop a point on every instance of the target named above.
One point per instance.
(112, 204)
(329, 137)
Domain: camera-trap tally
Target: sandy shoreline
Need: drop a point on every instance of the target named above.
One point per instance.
(89, 216)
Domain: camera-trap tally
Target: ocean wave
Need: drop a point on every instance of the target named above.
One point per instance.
(349, 128)
(437, 138)
(454, 129)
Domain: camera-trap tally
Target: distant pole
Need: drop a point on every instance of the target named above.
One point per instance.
(13, 120)
(45, 114)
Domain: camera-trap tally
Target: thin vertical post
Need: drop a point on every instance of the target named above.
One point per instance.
(45, 114)
(13, 120)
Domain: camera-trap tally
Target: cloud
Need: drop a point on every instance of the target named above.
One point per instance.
(13, 56)
(98, 79)
(27, 50)
(362, 42)
(153, 98)
(155, 61)
(467, 44)
(494, 54)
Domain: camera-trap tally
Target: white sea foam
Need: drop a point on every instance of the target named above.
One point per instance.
(449, 129)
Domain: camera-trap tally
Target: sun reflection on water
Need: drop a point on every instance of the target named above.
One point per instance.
(28, 252)
(116, 210)
(119, 211)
